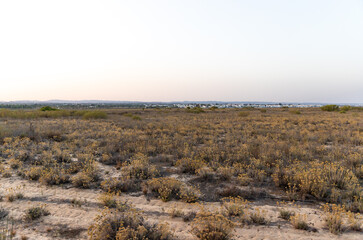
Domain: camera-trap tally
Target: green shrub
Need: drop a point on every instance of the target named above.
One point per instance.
(330, 108)
(48, 108)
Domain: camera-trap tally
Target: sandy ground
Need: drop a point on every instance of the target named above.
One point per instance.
(67, 221)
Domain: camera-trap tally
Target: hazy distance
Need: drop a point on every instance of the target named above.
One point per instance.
(282, 51)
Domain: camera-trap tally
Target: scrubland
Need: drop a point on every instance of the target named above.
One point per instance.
(208, 174)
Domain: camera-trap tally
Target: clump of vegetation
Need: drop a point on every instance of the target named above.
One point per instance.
(170, 188)
(34, 213)
(48, 108)
(323, 180)
(139, 167)
(108, 200)
(88, 176)
(189, 165)
(123, 225)
(195, 110)
(354, 221)
(212, 226)
(299, 221)
(334, 217)
(258, 216)
(235, 207)
(330, 108)
(284, 213)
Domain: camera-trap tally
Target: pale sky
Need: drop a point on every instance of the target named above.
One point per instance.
(175, 50)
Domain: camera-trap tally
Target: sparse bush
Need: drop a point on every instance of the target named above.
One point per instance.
(139, 168)
(298, 221)
(286, 214)
(170, 188)
(189, 165)
(108, 200)
(334, 217)
(258, 216)
(212, 226)
(34, 213)
(123, 225)
(354, 221)
(235, 207)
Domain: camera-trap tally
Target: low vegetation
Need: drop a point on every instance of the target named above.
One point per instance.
(225, 158)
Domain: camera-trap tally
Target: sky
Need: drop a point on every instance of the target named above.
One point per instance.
(182, 50)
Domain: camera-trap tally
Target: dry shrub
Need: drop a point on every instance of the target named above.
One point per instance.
(230, 191)
(176, 212)
(189, 165)
(354, 221)
(121, 184)
(258, 216)
(212, 226)
(88, 176)
(108, 199)
(284, 213)
(54, 176)
(124, 225)
(235, 207)
(34, 213)
(33, 173)
(334, 215)
(225, 173)
(170, 188)
(299, 221)
(206, 173)
(139, 168)
(323, 180)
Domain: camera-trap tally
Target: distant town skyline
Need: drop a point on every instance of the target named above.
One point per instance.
(191, 50)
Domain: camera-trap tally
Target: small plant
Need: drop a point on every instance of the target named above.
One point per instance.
(258, 216)
(124, 225)
(354, 221)
(235, 207)
(3, 214)
(334, 215)
(286, 214)
(298, 221)
(34, 213)
(189, 165)
(189, 216)
(108, 200)
(170, 188)
(76, 202)
(14, 194)
(212, 226)
(176, 212)
(283, 212)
